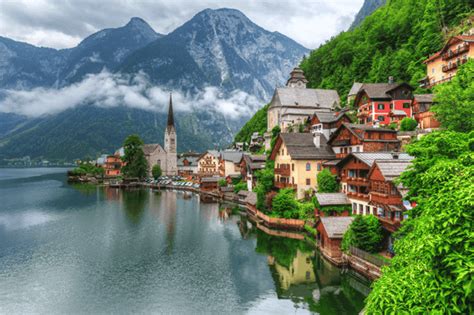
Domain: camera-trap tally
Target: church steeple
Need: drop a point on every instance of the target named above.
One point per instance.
(170, 112)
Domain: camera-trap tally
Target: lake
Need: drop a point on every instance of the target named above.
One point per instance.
(86, 249)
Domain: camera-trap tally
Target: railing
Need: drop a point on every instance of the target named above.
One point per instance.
(389, 224)
(453, 65)
(453, 53)
(285, 185)
(387, 199)
(368, 257)
(284, 171)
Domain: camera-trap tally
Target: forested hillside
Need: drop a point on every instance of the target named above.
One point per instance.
(258, 123)
(394, 40)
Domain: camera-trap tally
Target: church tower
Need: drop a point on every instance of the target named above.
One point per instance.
(170, 144)
(297, 79)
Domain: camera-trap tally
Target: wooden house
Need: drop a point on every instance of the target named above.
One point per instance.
(329, 238)
(249, 165)
(421, 111)
(332, 205)
(350, 138)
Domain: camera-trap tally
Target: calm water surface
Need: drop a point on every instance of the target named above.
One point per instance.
(85, 249)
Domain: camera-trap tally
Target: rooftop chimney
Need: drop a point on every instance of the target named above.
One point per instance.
(317, 139)
(390, 80)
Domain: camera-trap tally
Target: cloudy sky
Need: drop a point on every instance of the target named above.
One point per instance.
(62, 24)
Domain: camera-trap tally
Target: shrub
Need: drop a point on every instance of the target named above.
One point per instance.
(240, 186)
(365, 232)
(285, 205)
(327, 182)
(222, 183)
(408, 124)
(156, 171)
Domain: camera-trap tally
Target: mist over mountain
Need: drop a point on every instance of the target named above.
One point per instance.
(219, 65)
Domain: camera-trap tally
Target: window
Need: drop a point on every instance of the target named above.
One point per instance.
(406, 105)
(292, 166)
(354, 208)
(380, 118)
(308, 181)
(391, 106)
(357, 149)
(361, 209)
(367, 210)
(308, 166)
(432, 70)
(380, 106)
(350, 149)
(319, 167)
(397, 215)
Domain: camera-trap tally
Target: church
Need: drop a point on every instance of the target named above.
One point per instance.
(166, 157)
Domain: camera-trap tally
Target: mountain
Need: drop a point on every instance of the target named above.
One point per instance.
(368, 7)
(220, 48)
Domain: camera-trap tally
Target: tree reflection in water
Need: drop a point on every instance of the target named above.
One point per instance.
(134, 202)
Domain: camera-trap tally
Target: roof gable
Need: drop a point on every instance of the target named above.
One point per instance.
(336, 226)
(311, 98)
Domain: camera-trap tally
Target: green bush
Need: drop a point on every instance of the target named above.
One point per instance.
(222, 183)
(285, 205)
(365, 232)
(408, 124)
(156, 171)
(240, 186)
(327, 182)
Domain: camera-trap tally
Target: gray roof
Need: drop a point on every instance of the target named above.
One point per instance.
(332, 199)
(332, 162)
(424, 98)
(336, 226)
(355, 88)
(378, 90)
(150, 148)
(369, 128)
(392, 169)
(327, 116)
(301, 147)
(398, 112)
(232, 156)
(316, 98)
(370, 157)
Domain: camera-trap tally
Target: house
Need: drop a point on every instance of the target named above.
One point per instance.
(229, 163)
(256, 142)
(210, 184)
(298, 159)
(112, 164)
(383, 103)
(187, 165)
(443, 65)
(293, 104)
(208, 163)
(327, 122)
(421, 111)
(329, 238)
(350, 138)
(332, 205)
(354, 177)
(387, 196)
(249, 165)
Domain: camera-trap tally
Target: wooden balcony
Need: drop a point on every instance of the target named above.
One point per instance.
(285, 185)
(283, 170)
(356, 195)
(456, 52)
(389, 224)
(453, 65)
(358, 181)
(385, 199)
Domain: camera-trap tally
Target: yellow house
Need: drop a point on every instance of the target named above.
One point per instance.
(301, 270)
(299, 157)
(442, 66)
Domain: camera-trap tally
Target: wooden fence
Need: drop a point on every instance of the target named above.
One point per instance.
(368, 257)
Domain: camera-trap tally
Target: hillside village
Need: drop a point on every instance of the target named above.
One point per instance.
(309, 136)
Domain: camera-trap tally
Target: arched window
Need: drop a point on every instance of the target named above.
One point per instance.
(308, 166)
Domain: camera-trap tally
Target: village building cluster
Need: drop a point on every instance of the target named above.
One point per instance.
(362, 149)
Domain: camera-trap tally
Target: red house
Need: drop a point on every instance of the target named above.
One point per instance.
(384, 103)
(329, 238)
(350, 138)
(113, 165)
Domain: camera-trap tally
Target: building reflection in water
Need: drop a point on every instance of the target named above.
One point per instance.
(134, 202)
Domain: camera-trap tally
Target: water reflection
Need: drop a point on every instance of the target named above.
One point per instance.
(142, 251)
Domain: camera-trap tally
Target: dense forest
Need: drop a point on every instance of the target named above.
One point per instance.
(258, 123)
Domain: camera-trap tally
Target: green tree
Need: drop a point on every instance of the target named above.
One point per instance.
(222, 183)
(285, 205)
(240, 186)
(408, 124)
(454, 100)
(134, 158)
(156, 171)
(432, 271)
(365, 233)
(327, 182)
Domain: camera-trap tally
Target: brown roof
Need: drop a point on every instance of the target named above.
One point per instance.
(301, 147)
(251, 198)
(358, 131)
(336, 226)
(424, 98)
(331, 199)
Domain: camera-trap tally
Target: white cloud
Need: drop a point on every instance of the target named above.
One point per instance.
(61, 24)
(111, 90)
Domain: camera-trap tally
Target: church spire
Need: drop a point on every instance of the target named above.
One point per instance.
(170, 112)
